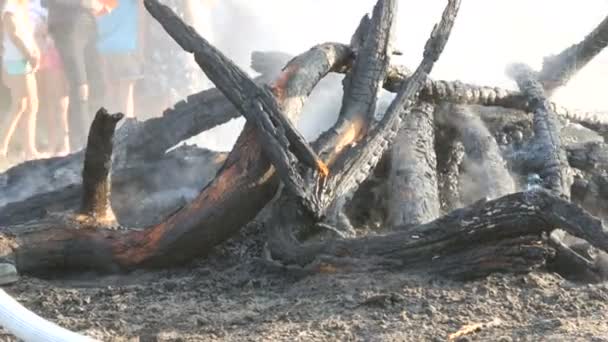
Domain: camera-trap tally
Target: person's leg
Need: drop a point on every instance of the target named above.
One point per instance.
(94, 70)
(56, 101)
(123, 95)
(18, 89)
(31, 112)
(70, 47)
(46, 125)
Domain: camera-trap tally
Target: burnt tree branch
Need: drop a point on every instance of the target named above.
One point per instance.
(363, 82)
(358, 162)
(281, 141)
(96, 182)
(557, 70)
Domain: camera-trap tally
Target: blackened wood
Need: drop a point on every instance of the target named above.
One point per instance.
(552, 161)
(363, 83)
(413, 190)
(357, 163)
(96, 182)
(244, 185)
(281, 142)
(559, 69)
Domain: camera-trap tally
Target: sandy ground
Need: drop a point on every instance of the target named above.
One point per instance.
(231, 297)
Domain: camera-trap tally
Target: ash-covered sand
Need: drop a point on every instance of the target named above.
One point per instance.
(229, 297)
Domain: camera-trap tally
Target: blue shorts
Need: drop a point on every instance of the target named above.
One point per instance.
(19, 67)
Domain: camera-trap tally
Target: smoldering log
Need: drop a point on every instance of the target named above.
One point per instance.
(361, 88)
(244, 184)
(281, 142)
(135, 142)
(413, 189)
(502, 235)
(552, 164)
(357, 162)
(142, 194)
(363, 83)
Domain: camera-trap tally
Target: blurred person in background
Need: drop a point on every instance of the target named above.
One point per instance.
(5, 98)
(20, 61)
(52, 85)
(120, 46)
(73, 27)
(168, 70)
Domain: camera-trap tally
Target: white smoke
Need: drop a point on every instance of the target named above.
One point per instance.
(488, 36)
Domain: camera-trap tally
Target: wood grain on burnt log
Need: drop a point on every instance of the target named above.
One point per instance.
(413, 190)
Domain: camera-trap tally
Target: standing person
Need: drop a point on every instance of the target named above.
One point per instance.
(72, 25)
(52, 85)
(20, 61)
(119, 44)
(169, 71)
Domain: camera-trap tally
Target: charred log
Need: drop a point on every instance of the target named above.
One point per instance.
(413, 190)
(96, 182)
(495, 236)
(243, 185)
(357, 162)
(557, 70)
(450, 154)
(363, 83)
(552, 164)
(142, 194)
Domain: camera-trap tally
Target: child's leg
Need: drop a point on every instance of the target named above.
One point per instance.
(125, 98)
(59, 114)
(17, 86)
(45, 120)
(31, 112)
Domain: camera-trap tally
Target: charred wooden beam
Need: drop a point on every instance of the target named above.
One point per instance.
(557, 70)
(552, 163)
(413, 190)
(96, 182)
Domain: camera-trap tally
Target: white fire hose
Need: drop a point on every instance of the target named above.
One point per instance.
(30, 327)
